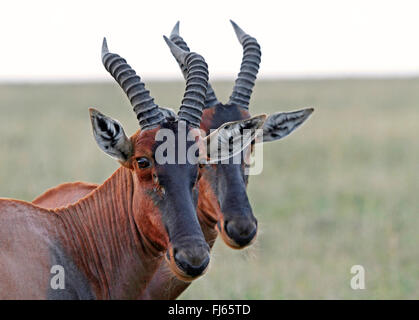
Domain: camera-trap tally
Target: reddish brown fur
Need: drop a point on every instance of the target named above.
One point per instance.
(143, 145)
(64, 194)
(207, 118)
(99, 233)
(116, 252)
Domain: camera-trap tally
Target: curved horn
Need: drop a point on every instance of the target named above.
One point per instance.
(148, 113)
(248, 70)
(196, 84)
(210, 99)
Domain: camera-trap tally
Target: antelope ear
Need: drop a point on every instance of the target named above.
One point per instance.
(110, 136)
(281, 124)
(230, 139)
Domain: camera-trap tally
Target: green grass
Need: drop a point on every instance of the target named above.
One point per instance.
(340, 191)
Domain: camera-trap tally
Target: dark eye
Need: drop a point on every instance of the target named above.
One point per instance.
(143, 163)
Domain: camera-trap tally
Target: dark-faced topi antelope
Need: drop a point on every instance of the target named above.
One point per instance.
(111, 241)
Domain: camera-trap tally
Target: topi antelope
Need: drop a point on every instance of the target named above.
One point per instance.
(226, 183)
(111, 242)
(222, 203)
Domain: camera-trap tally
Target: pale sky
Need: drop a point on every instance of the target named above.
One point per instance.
(57, 40)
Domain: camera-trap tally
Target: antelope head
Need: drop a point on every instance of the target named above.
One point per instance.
(225, 184)
(164, 199)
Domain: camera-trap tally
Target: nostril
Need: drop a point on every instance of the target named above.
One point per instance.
(246, 231)
(198, 269)
(180, 261)
(250, 230)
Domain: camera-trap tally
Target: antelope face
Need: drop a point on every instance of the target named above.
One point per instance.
(164, 203)
(226, 185)
(170, 183)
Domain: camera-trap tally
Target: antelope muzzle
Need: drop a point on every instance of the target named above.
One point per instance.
(239, 232)
(190, 261)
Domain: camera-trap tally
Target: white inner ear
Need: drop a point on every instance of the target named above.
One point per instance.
(232, 138)
(110, 136)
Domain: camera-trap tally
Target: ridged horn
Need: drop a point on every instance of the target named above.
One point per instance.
(148, 113)
(248, 70)
(196, 84)
(210, 98)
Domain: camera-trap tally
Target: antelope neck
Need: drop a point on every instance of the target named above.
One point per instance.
(106, 244)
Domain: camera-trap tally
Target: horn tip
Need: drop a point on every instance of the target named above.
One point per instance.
(239, 32)
(105, 49)
(177, 52)
(166, 39)
(169, 42)
(175, 30)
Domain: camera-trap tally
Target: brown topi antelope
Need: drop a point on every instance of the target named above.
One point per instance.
(110, 243)
(222, 203)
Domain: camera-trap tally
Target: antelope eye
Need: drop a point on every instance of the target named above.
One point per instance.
(143, 163)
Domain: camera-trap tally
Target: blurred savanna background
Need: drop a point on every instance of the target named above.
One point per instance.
(342, 190)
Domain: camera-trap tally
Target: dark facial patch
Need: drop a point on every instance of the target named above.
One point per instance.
(178, 205)
(228, 181)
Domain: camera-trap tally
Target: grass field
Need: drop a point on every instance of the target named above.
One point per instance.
(342, 190)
